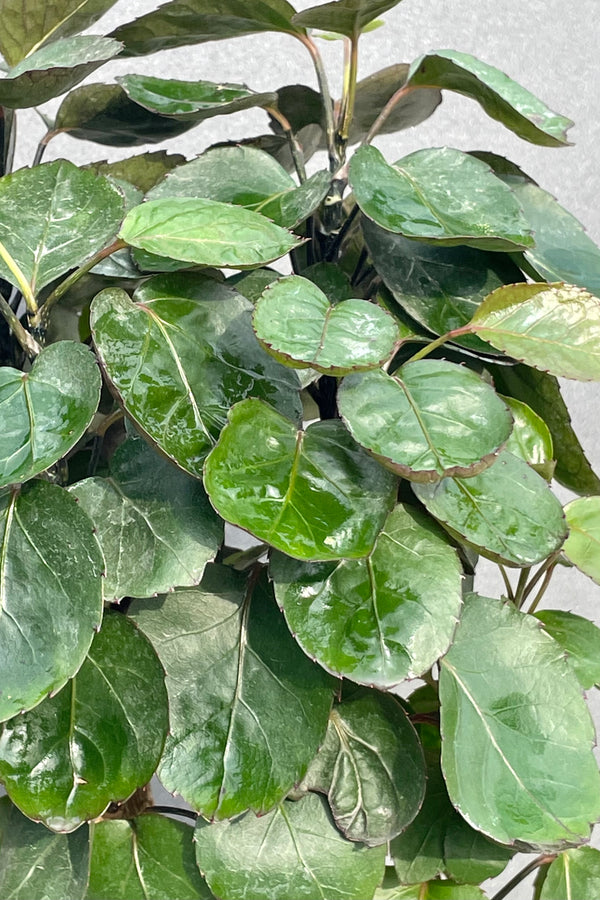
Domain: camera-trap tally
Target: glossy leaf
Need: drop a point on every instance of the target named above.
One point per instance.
(428, 419)
(331, 279)
(555, 328)
(530, 438)
(206, 232)
(443, 196)
(34, 862)
(50, 582)
(507, 513)
(574, 873)
(184, 22)
(252, 284)
(372, 94)
(582, 546)
(180, 356)
(197, 99)
(348, 17)
(54, 69)
(580, 639)
(148, 858)
(371, 768)
(143, 171)
(46, 410)
(55, 217)
(301, 105)
(501, 97)
(381, 619)
(294, 852)
(234, 674)
(314, 494)
(295, 322)
(393, 889)
(96, 740)
(493, 729)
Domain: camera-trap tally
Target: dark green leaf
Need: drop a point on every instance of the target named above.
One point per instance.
(35, 863)
(425, 422)
(143, 171)
(393, 889)
(583, 544)
(54, 217)
(148, 858)
(95, 741)
(371, 768)
(347, 17)
(49, 584)
(373, 93)
(507, 513)
(180, 356)
(574, 873)
(530, 438)
(501, 98)
(294, 852)
(301, 105)
(278, 146)
(493, 729)
(314, 494)
(580, 638)
(54, 69)
(198, 100)
(252, 284)
(443, 196)
(381, 619)
(46, 410)
(332, 280)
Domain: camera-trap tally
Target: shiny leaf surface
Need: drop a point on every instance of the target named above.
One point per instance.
(580, 639)
(348, 17)
(50, 582)
(428, 419)
(294, 852)
(143, 171)
(582, 546)
(96, 740)
(313, 494)
(574, 873)
(198, 99)
(381, 619)
(530, 438)
(516, 748)
(372, 94)
(248, 709)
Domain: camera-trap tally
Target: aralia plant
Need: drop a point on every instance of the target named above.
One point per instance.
(358, 367)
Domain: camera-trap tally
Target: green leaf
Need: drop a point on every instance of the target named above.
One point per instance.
(393, 889)
(206, 232)
(54, 69)
(314, 494)
(143, 171)
(428, 420)
(439, 287)
(30, 24)
(196, 99)
(555, 328)
(148, 858)
(248, 709)
(295, 322)
(373, 93)
(542, 393)
(34, 862)
(348, 17)
(530, 438)
(500, 97)
(574, 873)
(154, 523)
(46, 410)
(493, 729)
(55, 217)
(251, 284)
(291, 853)
(507, 513)
(180, 356)
(371, 768)
(301, 105)
(95, 741)
(50, 567)
(443, 196)
(580, 638)
(184, 22)
(332, 280)
(583, 542)
(381, 619)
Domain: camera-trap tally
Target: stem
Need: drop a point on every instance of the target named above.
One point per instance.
(540, 573)
(326, 96)
(337, 241)
(8, 129)
(295, 148)
(543, 588)
(450, 335)
(507, 584)
(349, 91)
(521, 585)
(173, 811)
(395, 98)
(26, 340)
(24, 285)
(520, 876)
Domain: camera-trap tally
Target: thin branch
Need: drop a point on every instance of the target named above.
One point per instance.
(339, 237)
(449, 336)
(543, 588)
(173, 811)
(349, 92)
(295, 148)
(540, 574)
(521, 585)
(520, 876)
(26, 340)
(24, 285)
(326, 97)
(507, 584)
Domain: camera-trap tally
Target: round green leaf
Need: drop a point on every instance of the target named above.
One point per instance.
(294, 852)
(95, 741)
(206, 232)
(425, 421)
(348, 17)
(580, 638)
(530, 438)
(380, 619)
(248, 709)
(439, 195)
(493, 728)
(295, 323)
(46, 410)
(50, 584)
(555, 328)
(314, 494)
(148, 858)
(582, 546)
(371, 768)
(197, 99)
(507, 513)
(574, 873)
(180, 356)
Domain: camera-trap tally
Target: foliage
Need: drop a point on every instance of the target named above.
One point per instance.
(376, 420)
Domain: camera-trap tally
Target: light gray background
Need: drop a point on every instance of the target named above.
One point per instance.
(549, 46)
